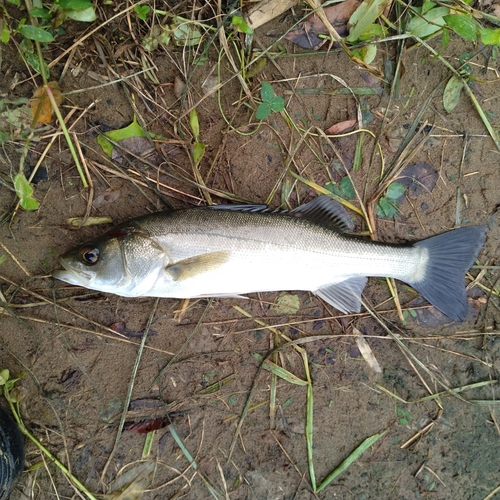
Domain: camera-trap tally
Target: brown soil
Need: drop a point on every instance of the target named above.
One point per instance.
(78, 371)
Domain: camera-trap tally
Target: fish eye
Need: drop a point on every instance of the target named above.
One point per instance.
(89, 255)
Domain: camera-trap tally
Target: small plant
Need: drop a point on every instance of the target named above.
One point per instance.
(404, 416)
(343, 188)
(388, 205)
(240, 25)
(270, 102)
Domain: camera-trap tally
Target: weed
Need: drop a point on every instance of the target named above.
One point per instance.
(270, 102)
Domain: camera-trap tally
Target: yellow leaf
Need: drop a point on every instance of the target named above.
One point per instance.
(41, 109)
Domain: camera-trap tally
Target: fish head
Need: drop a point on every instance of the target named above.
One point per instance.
(125, 261)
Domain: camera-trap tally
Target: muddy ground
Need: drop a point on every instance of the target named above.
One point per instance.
(78, 370)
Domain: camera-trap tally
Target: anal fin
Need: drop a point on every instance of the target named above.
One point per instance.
(345, 295)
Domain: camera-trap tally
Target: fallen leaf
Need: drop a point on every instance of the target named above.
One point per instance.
(341, 127)
(132, 484)
(306, 34)
(133, 137)
(366, 351)
(105, 198)
(121, 327)
(89, 221)
(419, 178)
(41, 108)
(451, 94)
(145, 426)
(286, 304)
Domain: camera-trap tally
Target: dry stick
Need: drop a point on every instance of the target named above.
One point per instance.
(458, 208)
(130, 389)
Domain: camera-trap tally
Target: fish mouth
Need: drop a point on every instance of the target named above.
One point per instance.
(72, 276)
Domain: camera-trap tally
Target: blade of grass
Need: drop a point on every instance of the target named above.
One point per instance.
(280, 371)
(65, 131)
(350, 459)
(309, 434)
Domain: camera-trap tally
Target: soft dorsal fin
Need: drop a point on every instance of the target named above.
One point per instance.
(326, 212)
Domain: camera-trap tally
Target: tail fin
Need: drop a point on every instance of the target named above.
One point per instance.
(450, 255)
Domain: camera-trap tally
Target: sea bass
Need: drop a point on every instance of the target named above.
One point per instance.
(229, 250)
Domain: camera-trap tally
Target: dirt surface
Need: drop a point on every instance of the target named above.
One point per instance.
(79, 371)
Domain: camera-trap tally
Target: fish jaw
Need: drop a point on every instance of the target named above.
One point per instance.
(72, 277)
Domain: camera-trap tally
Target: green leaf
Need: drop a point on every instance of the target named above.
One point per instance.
(132, 130)
(4, 376)
(277, 103)
(2, 258)
(15, 2)
(344, 188)
(185, 33)
(463, 25)
(445, 39)
(35, 33)
(240, 25)
(430, 23)
(426, 6)
(198, 151)
(41, 13)
(490, 36)
(263, 111)
(451, 94)
(84, 15)
(386, 208)
(75, 4)
(365, 15)
(194, 123)
(395, 191)
(373, 31)
(5, 35)
(266, 92)
(34, 61)
(142, 11)
(25, 193)
(366, 53)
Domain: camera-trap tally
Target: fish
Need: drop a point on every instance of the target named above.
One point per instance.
(232, 250)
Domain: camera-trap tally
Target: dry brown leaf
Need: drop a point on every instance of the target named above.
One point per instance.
(341, 127)
(306, 34)
(41, 108)
(366, 351)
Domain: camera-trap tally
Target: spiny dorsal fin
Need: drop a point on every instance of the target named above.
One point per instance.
(322, 210)
(240, 208)
(326, 212)
(199, 264)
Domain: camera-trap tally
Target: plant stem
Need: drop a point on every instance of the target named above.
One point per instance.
(55, 107)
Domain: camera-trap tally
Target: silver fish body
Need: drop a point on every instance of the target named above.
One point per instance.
(229, 251)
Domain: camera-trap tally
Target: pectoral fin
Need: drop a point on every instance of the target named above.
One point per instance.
(199, 264)
(344, 296)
